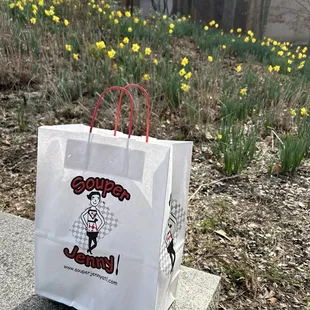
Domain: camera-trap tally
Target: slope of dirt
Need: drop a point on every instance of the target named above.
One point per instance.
(252, 229)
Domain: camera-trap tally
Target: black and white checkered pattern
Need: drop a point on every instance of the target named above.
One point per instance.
(179, 213)
(79, 230)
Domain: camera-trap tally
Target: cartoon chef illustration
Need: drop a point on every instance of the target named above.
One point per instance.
(93, 220)
(169, 236)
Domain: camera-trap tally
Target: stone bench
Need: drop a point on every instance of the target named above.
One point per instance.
(197, 290)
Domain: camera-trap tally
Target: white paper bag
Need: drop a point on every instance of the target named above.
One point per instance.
(110, 218)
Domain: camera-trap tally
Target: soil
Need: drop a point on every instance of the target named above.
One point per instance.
(251, 229)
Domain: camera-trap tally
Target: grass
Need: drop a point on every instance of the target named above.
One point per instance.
(56, 44)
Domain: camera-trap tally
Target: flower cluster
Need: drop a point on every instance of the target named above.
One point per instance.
(185, 75)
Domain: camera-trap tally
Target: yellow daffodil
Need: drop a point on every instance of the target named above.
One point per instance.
(219, 137)
(231, 30)
(188, 75)
(100, 45)
(129, 29)
(114, 66)
(303, 112)
(184, 18)
(253, 40)
(243, 91)
(41, 2)
(144, 22)
(119, 14)
(56, 19)
(33, 20)
(146, 77)
(184, 61)
(239, 30)
(155, 62)
(224, 47)
(280, 53)
(246, 39)
(121, 45)
(19, 5)
(300, 67)
(171, 26)
(66, 22)
(126, 40)
(182, 72)
(68, 47)
(290, 61)
(111, 53)
(206, 28)
(135, 48)
(185, 87)
(289, 69)
(147, 51)
(299, 55)
(216, 25)
(270, 68)
(276, 68)
(262, 43)
(292, 112)
(75, 56)
(116, 21)
(127, 14)
(239, 68)
(47, 12)
(136, 20)
(164, 16)
(210, 58)
(212, 22)
(170, 31)
(12, 5)
(293, 56)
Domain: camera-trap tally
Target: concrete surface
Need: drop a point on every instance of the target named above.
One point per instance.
(197, 290)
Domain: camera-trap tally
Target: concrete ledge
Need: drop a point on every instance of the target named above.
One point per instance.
(197, 290)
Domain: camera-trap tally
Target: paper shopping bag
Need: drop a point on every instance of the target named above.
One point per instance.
(103, 205)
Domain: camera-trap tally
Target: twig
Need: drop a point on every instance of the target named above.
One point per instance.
(210, 183)
(277, 136)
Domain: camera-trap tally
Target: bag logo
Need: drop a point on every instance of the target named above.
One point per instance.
(174, 226)
(95, 222)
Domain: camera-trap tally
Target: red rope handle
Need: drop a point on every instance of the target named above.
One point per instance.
(148, 113)
(123, 90)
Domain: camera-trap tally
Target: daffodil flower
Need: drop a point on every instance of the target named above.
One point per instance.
(184, 61)
(185, 87)
(135, 48)
(146, 77)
